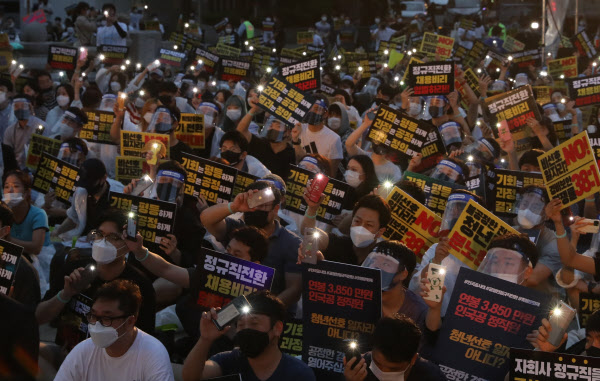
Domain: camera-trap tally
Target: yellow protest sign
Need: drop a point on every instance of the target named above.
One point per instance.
(563, 66)
(135, 143)
(434, 44)
(473, 232)
(542, 94)
(511, 45)
(38, 145)
(570, 170)
(412, 223)
(191, 130)
(395, 58)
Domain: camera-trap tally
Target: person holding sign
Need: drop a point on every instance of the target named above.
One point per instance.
(19, 134)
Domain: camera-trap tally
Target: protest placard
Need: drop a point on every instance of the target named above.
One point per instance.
(562, 129)
(56, 175)
(584, 45)
(305, 75)
(291, 338)
(334, 192)
(528, 364)
(191, 130)
(584, 91)
(134, 143)
(501, 192)
(9, 257)
(431, 78)
(173, 58)
(220, 26)
(412, 223)
(283, 101)
(542, 94)
(436, 191)
(242, 180)
(395, 129)
(97, 129)
(486, 316)
(413, 60)
(128, 168)
(113, 54)
(38, 145)
(387, 47)
(155, 218)
(225, 50)
(567, 67)
(72, 326)
(473, 232)
(327, 89)
(233, 70)
(304, 38)
(570, 170)
(437, 45)
(511, 44)
(526, 58)
(62, 57)
(588, 304)
(215, 181)
(209, 60)
(339, 302)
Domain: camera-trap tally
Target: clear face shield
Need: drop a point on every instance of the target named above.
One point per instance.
(71, 153)
(521, 80)
(161, 121)
(316, 114)
(451, 135)
(454, 207)
(168, 185)
(482, 150)
(506, 264)
(530, 208)
(551, 112)
(22, 108)
(210, 112)
(388, 266)
(108, 102)
(446, 171)
(310, 164)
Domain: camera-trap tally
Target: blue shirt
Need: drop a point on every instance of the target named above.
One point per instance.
(289, 368)
(36, 219)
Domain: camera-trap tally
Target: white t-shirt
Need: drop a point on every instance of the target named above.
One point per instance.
(385, 172)
(146, 360)
(324, 142)
(108, 35)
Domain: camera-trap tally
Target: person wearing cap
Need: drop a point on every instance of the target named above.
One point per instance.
(18, 134)
(234, 149)
(165, 120)
(258, 356)
(70, 125)
(313, 136)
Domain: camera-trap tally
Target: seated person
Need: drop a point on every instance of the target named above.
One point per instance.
(234, 149)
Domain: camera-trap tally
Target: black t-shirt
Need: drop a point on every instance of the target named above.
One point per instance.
(423, 370)
(94, 209)
(341, 250)
(278, 163)
(179, 148)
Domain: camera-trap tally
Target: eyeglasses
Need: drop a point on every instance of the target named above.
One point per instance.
(97, 235)
(105, 321)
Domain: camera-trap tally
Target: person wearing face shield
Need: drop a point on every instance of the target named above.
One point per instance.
(115, 340)
(71, 123)
(551, 112)
(392, 359)
(510, 257)
(234, 149)
(212, 132)
(485, 150)
(452, 136)
(165, 121)
(450, 170)
(17, 135)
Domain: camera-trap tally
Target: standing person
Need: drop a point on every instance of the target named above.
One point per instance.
(47, 94)
(279, 33)
(84, 26)
(347, 35)
(246, 29)
(114, 32)
(323, 27)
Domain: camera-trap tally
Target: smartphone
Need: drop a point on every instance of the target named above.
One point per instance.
(561, 317)
(88, 275)
(384, 189)
(155, 151)
(83, 53)
(310, 244)
(40, 130)
(261, 197)
(436, 276)
(153, 65)
(141, 185)
(232, 311)
(317, 187)
(352, 349)
(121, 97)
(131, 226)
(18, 71)
(487, 61)
(592, 226)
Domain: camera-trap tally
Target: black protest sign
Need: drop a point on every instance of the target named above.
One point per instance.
(155, 218)
(486, 316)
(433, 150)
(172, 57)
(526, 58)
(62, 57)
(72, 327)
(97, 129)
(191, 130)
(503, 187)
(187, 42)
(528, 364)
(264, 58)
(432, 78)
(584, 45)
(562, 129)
(135, 144)
(331, 206)
(339, 301)
(291, 338)
(398, 131)
(38, 145)
(233, 70)
(282, 100)
(209, 60)
(215, 181)
(327, 89)
(584, 91)
(242, 180)
(8, 264)
(588, 304)
(113, 55)
(305, 75)
(56, 175)
(436, 191)
(475, 55)
(128, 168)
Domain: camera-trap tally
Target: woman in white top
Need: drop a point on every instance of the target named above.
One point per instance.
(64, 97)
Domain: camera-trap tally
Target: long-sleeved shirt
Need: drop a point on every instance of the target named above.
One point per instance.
(84, 28)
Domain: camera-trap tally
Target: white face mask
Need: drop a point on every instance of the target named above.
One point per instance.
(512, 278)
(414, 109)
(234, 114)
(334, 123)
(560, 107)
(386, 376)
(104, 252)
(323, 18)
(115, 86)
(528, 219)
(148, 117)
(13, 199)
(102, 336)
(208, 120)
(66, 131)
(352, 178)
(2, 96)
(377, 21)
(62, 100)
(361, 237)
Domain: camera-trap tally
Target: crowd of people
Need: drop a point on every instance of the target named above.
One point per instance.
(83, 249)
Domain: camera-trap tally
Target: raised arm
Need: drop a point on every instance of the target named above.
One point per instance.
(351, 142)
(213, 218)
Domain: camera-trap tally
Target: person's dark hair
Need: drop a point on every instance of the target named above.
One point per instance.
(167, 87)
(226, 95)
(349, 83)
(376, 203)
(6, 215)
(121, 78)
(91, 98)
(259, 185)
(495, 145)
(386, 334)
(371, 181)
(412, 189)
(81, 6)
(172, 165)
(24, 96)
(125, 292)
(345, 95)
(517, 242)
(79, 114)
(113, 215)
(22, 176)
(108, 6)
(236, 137)
(322, 98)
(387, 90)
(552, 137)
(34, 86)
(74, 143)
(203, 76)
(265, 303)
(530, 157)
(90, 171)
(175, 113)
(7, 83)
(593, 322)
(496, 31)
(255, 239)
(68, 88)
(401, 252)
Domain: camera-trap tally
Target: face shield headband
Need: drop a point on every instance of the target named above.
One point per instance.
(505, 263)
(168, 185)
(162, 121)
(309, 163)
(447, 171)
(387, 264)
(451, 133)
(454, 207)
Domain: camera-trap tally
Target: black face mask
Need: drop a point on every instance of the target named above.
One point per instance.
(593, 352)
(380, 149)
(93, 189)
(275, 136)
(232, 157)
(252, 342)
(258, 218)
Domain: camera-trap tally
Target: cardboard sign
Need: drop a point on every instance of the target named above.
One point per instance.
(563, 66)
(526, 58)
(9, 258)
(225, 277)
(584, 45)
(228, 51)
(570, 170)
(527, 364)
(398, 131)
(242, 180)
(72, 322)
(38, 145)
(155, 218)
(114, 55)
(210, 60)
(335, 192)
(432, 78)
(412, 223)
(486, 316)
(588, 304)
(38, 16)
(234, 70)
(172, 57)
(542, 94)
(475, 55)
(511, 44)
(562, 130)
(97, 129)
(436, 191)
(282, 100)
(191, 130)
(214, 181)
(501, 192)
(473, 232)
(133, 143)
(56, 175)
(305, 75)
(62, 57)
(304, 38)
(128, 168)
(291, 339)
(437, 45)
(584, 91)
(339, 301)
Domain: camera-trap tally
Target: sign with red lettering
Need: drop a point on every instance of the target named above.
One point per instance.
(305, 75)
(584, 91)
(435, 45)
(431, 78)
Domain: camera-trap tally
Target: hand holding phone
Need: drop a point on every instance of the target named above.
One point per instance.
(131, 226)
(352, 350)
(310, 245)
(261, 197)
(141, 185)
(317, 186)
(232, 311)
(560, 319)
(436, 275)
